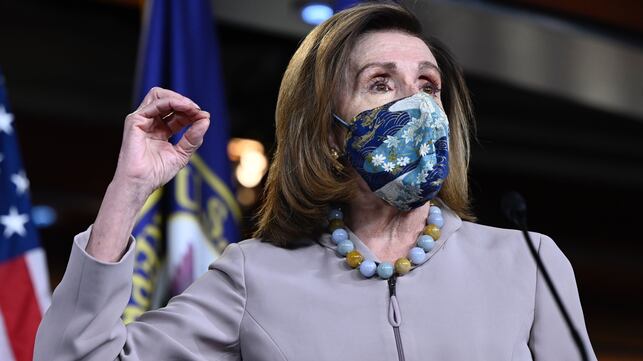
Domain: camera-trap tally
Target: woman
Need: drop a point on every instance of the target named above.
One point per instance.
(354, 257)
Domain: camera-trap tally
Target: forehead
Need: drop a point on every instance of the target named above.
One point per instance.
(389, 46)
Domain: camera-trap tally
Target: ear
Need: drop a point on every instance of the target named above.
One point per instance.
(337, 138)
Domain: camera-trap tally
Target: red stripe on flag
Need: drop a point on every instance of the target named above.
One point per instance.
(19, 307)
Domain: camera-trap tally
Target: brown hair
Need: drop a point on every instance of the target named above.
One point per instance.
(303, 180)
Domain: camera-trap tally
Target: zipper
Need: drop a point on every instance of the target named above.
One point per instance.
(394, 316)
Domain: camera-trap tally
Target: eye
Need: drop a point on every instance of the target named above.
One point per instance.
(430, 88)
(379, 85)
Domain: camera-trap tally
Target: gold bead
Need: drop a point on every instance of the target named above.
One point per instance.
(334, 224)
(433, 231)
(402, 266)
(354, 259)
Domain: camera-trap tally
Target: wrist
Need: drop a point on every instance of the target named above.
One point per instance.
(130, 193)
(115, 220)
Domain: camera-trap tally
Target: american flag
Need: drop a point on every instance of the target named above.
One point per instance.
(24, 281)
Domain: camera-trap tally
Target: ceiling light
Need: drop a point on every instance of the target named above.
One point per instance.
(316, 13)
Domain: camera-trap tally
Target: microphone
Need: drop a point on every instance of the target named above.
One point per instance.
(514, 208)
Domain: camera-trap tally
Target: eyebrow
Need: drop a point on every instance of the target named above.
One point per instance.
(427, 64)
(391, 66)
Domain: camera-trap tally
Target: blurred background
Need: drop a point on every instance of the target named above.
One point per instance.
(557, 88)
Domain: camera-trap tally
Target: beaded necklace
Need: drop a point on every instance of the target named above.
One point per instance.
(368, 267)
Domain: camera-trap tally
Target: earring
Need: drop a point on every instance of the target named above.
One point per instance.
(339, 167)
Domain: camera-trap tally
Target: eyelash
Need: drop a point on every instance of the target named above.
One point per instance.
(432, 88)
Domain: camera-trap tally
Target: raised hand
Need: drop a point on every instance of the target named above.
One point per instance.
(147, 160)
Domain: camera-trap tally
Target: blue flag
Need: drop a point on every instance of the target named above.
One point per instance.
(179, 51)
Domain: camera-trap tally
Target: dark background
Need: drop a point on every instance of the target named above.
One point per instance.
(70, 68)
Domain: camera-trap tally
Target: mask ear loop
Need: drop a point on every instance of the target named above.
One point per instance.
(341, 121)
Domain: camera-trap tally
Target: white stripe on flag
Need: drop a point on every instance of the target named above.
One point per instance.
(37, 265)
(204, 255)
(5, 347)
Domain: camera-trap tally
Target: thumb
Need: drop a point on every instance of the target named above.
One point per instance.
(193, 137)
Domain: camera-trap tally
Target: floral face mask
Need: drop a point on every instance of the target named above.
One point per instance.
(401, 149)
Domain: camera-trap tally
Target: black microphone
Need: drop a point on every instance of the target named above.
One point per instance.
(514, 209)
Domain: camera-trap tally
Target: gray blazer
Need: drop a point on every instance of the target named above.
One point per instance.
(477, 297)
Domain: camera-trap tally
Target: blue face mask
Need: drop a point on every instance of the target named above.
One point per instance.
(401, 149)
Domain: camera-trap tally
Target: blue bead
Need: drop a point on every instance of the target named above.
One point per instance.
(426, 242)
(339, 235)
(434, 209)
(344, 247)
(335, 214)
(417, 255)
(385, 270)
(367, 268)
(436, 219)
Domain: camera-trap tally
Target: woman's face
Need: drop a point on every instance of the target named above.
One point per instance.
(385, 66)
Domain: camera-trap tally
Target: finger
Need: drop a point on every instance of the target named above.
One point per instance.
(193, 137)
(162, 107)
(159, 130)
(160, 93)
(179, 121)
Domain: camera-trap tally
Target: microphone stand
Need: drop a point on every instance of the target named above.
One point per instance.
(515, 210)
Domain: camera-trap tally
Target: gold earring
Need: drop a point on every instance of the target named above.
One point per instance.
(339, 167)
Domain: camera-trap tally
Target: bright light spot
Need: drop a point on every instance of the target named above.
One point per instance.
(248, 177)
(43, 216)
(253, 163)
(254, 160)
(237, 146)
(315, 14)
